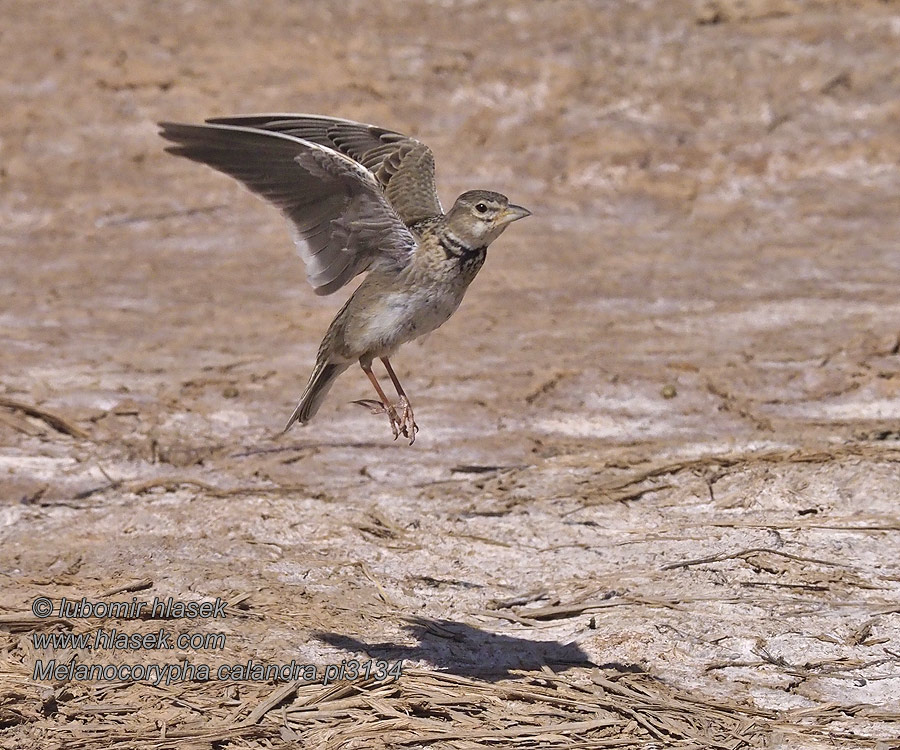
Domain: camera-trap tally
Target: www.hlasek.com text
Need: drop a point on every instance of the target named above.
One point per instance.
(115, 640)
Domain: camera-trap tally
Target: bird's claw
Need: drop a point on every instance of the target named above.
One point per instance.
(374, 407)
(395, 421)
(400, 425)
(407, 422)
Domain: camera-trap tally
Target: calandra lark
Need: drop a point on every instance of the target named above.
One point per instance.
(358, 198)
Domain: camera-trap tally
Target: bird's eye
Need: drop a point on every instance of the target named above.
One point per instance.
(480, 207)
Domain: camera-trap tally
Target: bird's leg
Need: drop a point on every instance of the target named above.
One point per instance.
(408, 425)
(386, 406)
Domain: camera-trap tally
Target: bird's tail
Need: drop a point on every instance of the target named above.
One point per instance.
(320, 383)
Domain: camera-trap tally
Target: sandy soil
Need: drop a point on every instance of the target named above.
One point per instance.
(654, 498)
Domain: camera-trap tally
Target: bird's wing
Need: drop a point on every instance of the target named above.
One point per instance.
(341, 222)
(403, 166)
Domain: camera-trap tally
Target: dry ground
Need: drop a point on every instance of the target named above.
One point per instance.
(566, 557)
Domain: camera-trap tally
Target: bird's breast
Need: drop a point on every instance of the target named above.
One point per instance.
(403, 315)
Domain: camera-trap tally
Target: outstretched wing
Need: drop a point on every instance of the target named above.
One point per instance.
(341, 222)
(403, 166)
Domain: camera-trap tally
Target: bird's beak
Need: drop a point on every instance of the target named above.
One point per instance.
(513, 213)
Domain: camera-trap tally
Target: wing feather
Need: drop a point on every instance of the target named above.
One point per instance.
(340, 219)
(402, 166)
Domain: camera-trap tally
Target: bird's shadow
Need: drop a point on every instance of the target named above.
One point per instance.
(461, 649)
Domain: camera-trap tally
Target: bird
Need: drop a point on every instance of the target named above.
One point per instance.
(359, 199)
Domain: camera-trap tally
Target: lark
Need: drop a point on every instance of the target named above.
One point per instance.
(359, 199)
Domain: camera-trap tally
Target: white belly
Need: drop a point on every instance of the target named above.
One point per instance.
(403, 317)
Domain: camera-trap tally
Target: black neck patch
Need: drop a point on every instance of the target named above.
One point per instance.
(453, 248)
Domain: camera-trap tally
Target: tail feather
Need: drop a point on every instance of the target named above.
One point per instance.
(320, 383)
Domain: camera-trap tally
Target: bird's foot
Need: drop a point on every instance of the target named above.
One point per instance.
(376, 407)
(407, 422)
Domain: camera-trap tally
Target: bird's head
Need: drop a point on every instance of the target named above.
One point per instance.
(479, 217)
